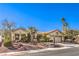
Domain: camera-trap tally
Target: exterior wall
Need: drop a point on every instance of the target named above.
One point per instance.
(1, 36)
(12, 36)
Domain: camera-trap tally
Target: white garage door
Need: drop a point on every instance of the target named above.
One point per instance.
(57, 39)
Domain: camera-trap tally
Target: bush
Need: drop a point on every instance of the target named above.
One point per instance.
(46, 39)
(7, 41)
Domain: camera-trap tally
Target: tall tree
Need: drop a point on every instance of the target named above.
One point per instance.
(65, 25)
(65, 29)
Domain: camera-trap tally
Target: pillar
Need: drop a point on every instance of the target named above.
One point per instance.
(62, 38)
(19, 36)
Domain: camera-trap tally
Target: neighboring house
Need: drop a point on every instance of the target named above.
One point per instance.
(55, 35)
(77, 39)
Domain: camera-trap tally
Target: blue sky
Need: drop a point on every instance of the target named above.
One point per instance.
(44, 17)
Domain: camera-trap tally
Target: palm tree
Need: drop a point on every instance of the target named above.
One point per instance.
(33, 34)
(65, 28)
(65, 25)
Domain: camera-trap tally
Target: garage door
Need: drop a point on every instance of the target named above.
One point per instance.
(57, 39)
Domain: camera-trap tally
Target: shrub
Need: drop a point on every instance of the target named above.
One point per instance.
(7, 41)
(46, 39)
(23, 38)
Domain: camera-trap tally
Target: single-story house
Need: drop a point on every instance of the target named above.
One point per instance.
(55, 35)
(21, 33)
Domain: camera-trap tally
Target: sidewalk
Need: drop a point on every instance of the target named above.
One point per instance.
(67, 46)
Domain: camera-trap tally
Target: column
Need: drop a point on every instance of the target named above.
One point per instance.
(19, 37)
(62, 39)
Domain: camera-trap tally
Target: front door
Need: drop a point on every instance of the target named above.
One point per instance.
(16, 36)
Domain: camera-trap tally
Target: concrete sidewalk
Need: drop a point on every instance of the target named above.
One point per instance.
(66, 46)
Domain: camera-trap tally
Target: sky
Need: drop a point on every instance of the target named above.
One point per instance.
(43, 16)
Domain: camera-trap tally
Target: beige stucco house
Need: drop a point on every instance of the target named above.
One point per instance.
(18, 34)
(55, 34)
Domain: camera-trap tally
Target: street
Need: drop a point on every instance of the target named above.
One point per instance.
(65, 52)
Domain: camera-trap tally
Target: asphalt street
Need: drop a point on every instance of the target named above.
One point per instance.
(65, 52)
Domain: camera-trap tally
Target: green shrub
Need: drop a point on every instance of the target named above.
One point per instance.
(7, 41)
(46, 39)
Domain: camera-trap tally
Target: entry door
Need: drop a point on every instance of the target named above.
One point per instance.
(16, 36)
